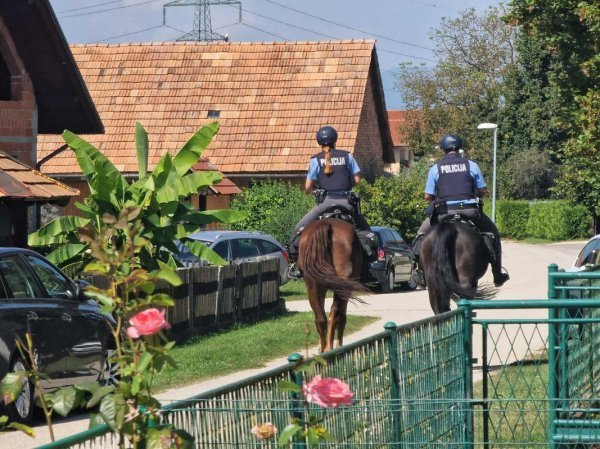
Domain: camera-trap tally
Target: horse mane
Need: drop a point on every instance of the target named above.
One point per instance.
(444, 268)
(317, 262)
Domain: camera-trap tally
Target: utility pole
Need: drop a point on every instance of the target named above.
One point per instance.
(202, 23)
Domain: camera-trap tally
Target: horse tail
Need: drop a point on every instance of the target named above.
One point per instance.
(317, 264)
(444, 264)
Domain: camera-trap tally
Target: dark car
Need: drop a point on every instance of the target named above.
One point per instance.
(393, 265)
(71, 336)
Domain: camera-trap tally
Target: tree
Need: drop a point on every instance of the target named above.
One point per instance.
(474, 53)
(162, 195)
(569, 32)
(273, 207)
(527, 175)
(396, 201)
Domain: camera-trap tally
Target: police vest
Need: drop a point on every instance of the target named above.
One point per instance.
(340, 179)
(455, 181)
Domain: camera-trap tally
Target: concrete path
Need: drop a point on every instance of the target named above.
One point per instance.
(527, 265)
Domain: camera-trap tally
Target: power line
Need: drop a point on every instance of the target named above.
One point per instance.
(348, 27)
(264, 31)
(130, 34)
(146, 2)
(88, 7)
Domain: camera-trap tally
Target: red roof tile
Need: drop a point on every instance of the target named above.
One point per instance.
(272, 98)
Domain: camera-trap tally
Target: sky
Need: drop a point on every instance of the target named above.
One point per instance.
(402, 28)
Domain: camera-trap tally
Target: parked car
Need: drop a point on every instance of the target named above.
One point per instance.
(393, 264)
(589, 256)
(238, 246)
(71, 336)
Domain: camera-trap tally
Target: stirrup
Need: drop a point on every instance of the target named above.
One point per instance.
(293, 271)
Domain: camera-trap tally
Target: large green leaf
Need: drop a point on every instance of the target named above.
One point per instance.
(203, 252)
(186, 186)
(52, 232)
(141, 145)
(63, 400)
(191, 151)
(65, 253)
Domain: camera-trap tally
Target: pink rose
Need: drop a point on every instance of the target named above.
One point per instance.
(328, 392)
(264, 431)
(147, 322)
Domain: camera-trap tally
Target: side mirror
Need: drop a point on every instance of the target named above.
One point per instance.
(80, 286)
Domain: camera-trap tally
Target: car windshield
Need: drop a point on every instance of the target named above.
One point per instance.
(186, 253)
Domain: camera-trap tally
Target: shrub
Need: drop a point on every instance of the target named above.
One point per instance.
(273, 207)
(557, 220)
(512, 218)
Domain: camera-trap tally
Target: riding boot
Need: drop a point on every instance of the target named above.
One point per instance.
(500, 275)
(415, 252)
(292, 249)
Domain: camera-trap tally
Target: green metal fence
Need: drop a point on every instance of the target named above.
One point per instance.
(482, 376)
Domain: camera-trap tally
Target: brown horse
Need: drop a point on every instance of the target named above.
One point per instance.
(454, 257)
(331, 258)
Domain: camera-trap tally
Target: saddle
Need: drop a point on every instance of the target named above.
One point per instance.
(368, 239)
(488, 237)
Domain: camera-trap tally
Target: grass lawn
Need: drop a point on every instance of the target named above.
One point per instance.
(244, 347)
(294, 290)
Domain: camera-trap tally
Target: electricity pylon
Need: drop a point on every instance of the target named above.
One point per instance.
(202, 23)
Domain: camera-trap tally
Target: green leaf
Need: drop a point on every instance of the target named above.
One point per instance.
(145, 361)
(203, 252)
(12, 385)
(96, 420)
(141, 145)
(98, 395)
(113, 409)
(286, 385)
(67, 252)
(63, 400)
(23, 428)
(54, 231)
(186, 186)
(312, 436)
(167, 274)
(288, 433)
(192, 150)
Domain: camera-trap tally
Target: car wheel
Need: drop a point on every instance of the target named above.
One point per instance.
(21, 409)
(110, 371)
(388, 285)
(411, 284)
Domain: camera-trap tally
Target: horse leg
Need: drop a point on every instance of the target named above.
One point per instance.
(337, 321)
(316, 298)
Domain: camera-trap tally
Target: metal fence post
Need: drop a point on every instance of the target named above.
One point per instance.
(395, 414)
(296, 400)
(467, 312)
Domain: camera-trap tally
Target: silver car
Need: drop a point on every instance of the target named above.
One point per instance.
(238, 246)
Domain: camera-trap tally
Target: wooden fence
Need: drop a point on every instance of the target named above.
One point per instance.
(213, 297)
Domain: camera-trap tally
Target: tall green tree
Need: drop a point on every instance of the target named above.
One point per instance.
(474, 53)
(161, 195)
(569, 33)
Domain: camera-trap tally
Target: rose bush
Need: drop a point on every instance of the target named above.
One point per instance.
(147, 322)
(328, 392)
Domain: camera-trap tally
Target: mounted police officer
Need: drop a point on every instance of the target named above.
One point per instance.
(454, 186)
(333, 172)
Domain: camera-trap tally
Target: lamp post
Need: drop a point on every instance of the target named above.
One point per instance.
(495, 128)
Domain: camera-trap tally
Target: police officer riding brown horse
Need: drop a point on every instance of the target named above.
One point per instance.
(332, 243)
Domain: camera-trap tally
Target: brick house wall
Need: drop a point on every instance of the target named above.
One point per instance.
(18, 110)
(369, 145)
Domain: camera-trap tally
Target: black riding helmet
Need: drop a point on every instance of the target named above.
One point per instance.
(450, 142)
(327, 135)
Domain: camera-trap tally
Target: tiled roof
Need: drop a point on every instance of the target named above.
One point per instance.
(397, 120)
(225, 186)
(17, 180)
(271, 98)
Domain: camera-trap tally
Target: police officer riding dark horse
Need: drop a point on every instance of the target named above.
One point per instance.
(454, 187)
(331, 175)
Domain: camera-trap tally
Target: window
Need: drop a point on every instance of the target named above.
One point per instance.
(222, 249)
(397, 237)
(267, 247)
(244, 248)
(17, 278)
(57, 285)
(213, 114)
(589, 254)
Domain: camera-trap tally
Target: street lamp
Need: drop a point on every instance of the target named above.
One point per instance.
(495, 128)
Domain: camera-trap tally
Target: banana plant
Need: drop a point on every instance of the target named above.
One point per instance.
(163, 195)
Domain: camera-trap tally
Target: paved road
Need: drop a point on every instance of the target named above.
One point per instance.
(527, 265)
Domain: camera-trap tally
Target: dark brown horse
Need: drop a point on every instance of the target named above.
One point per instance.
(331, 258)
(454, 257)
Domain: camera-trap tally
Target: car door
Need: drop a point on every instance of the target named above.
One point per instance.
(30, 311)
(85, 343)
(402, 261)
